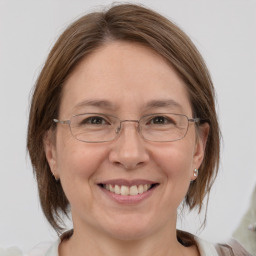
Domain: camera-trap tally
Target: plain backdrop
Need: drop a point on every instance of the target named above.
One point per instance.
(224, 32)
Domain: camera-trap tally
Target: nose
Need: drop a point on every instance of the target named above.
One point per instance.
(128, 149)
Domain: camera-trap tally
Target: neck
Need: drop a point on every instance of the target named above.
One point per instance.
(98, 244)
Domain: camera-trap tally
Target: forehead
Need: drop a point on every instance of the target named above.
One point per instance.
(126, 77)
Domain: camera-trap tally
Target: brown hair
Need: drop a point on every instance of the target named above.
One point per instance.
(130, 23)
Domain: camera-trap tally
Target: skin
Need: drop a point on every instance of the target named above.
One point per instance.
(129, 76)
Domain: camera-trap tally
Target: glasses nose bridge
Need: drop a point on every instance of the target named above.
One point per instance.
(118, 130)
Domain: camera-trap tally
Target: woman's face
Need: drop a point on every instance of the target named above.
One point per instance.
(126, 80)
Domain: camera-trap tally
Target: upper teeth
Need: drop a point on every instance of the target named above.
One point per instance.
(126, 190)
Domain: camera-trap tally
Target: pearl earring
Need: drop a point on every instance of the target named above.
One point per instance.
(53, 174)
(195, 172)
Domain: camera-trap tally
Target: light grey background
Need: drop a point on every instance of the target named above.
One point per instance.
(224, 32)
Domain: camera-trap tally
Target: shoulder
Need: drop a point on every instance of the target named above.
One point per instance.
(205, 247)
(231, 248)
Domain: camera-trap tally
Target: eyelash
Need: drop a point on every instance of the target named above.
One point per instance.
(90, 119)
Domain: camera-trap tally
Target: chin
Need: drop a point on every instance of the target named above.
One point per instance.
(130, 229)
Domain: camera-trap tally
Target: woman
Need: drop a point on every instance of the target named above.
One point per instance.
(122, 130)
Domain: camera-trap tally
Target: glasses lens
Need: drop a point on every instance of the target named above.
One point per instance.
(164, 127)
(94, 127)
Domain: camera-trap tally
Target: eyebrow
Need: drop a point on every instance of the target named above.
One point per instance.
(163, 103)
(95, 103)
(110, 106)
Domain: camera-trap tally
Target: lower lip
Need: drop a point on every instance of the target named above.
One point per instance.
(129, 199)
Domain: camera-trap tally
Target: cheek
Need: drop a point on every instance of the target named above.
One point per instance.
(175, 160)
(77, 166)
(76, 158)
(77, 162)
(176, 169)
(80, 161)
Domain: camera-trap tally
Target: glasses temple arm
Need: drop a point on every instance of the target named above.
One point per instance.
(194, 120)
(61, 121)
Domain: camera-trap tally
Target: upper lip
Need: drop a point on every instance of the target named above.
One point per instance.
(124, 182)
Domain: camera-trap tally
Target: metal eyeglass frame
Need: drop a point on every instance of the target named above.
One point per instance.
(118, 130)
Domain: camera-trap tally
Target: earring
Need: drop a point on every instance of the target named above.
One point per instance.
(56, 179)
(195, 172)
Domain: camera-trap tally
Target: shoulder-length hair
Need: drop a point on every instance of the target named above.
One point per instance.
(126, 22)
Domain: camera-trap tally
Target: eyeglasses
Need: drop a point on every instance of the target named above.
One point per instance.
(159, 127)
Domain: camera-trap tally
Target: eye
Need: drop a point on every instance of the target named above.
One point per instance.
(161, 120)
(94, 120)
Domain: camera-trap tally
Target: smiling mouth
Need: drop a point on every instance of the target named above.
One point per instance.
(128, 190)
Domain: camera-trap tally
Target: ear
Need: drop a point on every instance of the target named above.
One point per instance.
(202, 135)
(50, 152)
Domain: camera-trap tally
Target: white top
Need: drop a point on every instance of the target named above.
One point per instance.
(51, 249)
